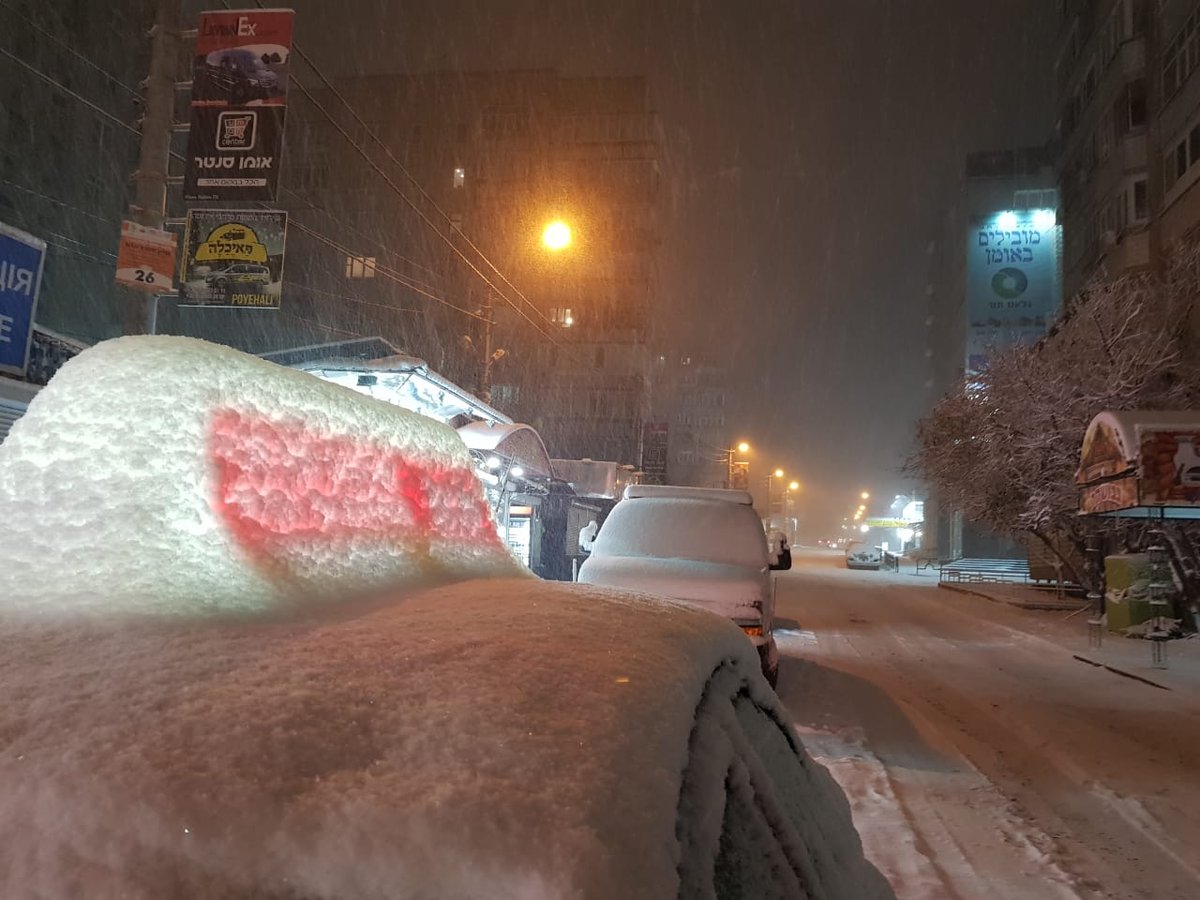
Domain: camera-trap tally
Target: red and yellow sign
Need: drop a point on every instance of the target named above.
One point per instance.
(146, 258)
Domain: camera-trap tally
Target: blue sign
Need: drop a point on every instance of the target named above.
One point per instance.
(21, 259)
(1013, 284)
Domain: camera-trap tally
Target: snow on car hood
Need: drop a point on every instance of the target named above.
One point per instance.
(505, 739)
(731, 591)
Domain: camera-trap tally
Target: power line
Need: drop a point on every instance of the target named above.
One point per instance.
(331, 329)
(358, 119)
(424, 194)
(66, 90)
(312, 207)
(384, 271)
(408, 200)
(349, 299)
(55, 200)
(79, 56)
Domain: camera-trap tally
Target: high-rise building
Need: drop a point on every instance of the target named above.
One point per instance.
(994, 281)
(1104, 135)
(690, 394)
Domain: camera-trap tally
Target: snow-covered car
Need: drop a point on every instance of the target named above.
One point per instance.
(702, 546)
(261, 640)
(860, 555)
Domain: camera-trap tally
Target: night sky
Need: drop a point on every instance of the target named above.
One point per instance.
(811, 149)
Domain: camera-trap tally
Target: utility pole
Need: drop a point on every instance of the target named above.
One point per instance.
(149, 205)
(485, 369)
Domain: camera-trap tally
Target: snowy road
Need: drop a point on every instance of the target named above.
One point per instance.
(981, 759)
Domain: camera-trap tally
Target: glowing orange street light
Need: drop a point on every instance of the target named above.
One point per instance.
(557, 235)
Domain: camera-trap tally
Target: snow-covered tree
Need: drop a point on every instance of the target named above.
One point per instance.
(1003, 446)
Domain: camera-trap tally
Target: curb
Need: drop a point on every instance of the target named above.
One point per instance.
(1047, 605)
(1121, 672)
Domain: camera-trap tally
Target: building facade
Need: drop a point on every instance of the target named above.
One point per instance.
(467, 171)
(690, 394)
(69, 107)
(1105, 77)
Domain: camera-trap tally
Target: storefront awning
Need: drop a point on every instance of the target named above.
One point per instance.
(1141, 464)
(514, 441)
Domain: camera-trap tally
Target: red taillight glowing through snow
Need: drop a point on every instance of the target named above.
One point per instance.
(280, 486)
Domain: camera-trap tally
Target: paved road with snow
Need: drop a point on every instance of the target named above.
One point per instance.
(981, 759)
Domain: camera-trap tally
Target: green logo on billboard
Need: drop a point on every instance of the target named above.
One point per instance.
(1009, 283)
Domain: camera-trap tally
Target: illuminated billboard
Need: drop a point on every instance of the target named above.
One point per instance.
(1014, 288)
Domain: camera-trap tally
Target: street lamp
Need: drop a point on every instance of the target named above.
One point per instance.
(778, 473)
(556, 235)
(740, 447)
(792, 487)
(866, 496)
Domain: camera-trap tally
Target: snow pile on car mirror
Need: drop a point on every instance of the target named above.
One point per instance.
(170, 474)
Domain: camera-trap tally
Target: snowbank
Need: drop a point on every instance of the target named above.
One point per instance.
(169, 474)
(502, 739)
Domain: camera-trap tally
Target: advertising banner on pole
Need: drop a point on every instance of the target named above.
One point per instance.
(146, 258)
(233, 258)
(239, 98)
(22, 257)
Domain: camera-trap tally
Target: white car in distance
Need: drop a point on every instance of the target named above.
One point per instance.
(702, 546)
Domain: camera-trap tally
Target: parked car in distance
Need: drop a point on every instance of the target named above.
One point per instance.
(860, 555)
(702, 546)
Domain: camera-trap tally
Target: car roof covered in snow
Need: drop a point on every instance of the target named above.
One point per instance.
(674, 492)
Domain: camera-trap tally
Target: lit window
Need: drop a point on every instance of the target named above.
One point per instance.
(460, 177)
(562, 316)
(360, 267)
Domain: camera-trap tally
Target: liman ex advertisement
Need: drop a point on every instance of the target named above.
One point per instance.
(233, 258)
(239, 98)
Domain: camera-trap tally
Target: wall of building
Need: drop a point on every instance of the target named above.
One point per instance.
(501, 153)
(67, 155)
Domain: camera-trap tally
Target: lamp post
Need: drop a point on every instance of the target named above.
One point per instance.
(793, 487)
(556, 237)
(731, 466)
(778, 473)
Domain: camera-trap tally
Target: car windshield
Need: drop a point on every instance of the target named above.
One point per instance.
(683, 529)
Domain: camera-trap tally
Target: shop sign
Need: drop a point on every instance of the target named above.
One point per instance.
(239, 99)
(233, 258)
(1104, 453)
(146, 258)
(22, 257)
(1170, 467)
(1109, 496)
